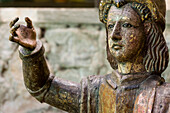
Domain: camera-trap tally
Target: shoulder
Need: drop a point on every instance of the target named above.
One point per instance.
(162, 100)
(164, 89)
(89, 92)
(93, 80)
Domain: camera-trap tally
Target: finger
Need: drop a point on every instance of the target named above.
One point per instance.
(29, 22)
(14, 29)
(12, 23)
(14, 39)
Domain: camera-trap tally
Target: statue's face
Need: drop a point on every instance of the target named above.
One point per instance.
(126, 35)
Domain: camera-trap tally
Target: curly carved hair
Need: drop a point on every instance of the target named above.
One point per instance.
(156, 51)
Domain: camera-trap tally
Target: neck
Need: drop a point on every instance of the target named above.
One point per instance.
(131, 67)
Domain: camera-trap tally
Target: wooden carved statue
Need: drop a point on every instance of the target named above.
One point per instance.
(136, 50)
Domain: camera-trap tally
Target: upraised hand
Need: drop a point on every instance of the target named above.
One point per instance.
(23, 35)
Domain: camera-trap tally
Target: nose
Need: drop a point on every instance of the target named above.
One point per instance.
(116, 36)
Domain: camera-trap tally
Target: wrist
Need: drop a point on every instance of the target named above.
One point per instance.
(26, 54)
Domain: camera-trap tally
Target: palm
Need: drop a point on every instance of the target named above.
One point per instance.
(23, 35)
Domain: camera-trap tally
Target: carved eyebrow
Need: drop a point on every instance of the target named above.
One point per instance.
(122, 19)
(126, 19)
(113, 20)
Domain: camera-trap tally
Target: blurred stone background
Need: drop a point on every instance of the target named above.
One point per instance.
(75, 48)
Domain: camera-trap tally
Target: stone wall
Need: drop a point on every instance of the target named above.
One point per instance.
(75, 48)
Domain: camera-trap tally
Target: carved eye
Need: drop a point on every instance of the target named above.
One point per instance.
(127, 25)
(111, 26)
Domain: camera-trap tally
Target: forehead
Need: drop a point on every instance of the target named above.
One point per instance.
(125, 13)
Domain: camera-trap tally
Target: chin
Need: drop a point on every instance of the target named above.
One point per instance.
(123, 57)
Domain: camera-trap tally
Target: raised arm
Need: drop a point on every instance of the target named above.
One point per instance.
(38, 80)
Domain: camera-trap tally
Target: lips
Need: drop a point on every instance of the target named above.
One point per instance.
(117, 46)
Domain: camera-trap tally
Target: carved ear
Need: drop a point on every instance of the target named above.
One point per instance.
(147, 26)
(157, 56)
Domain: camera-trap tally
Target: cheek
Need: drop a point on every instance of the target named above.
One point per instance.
(133, 38)
(110, 41)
